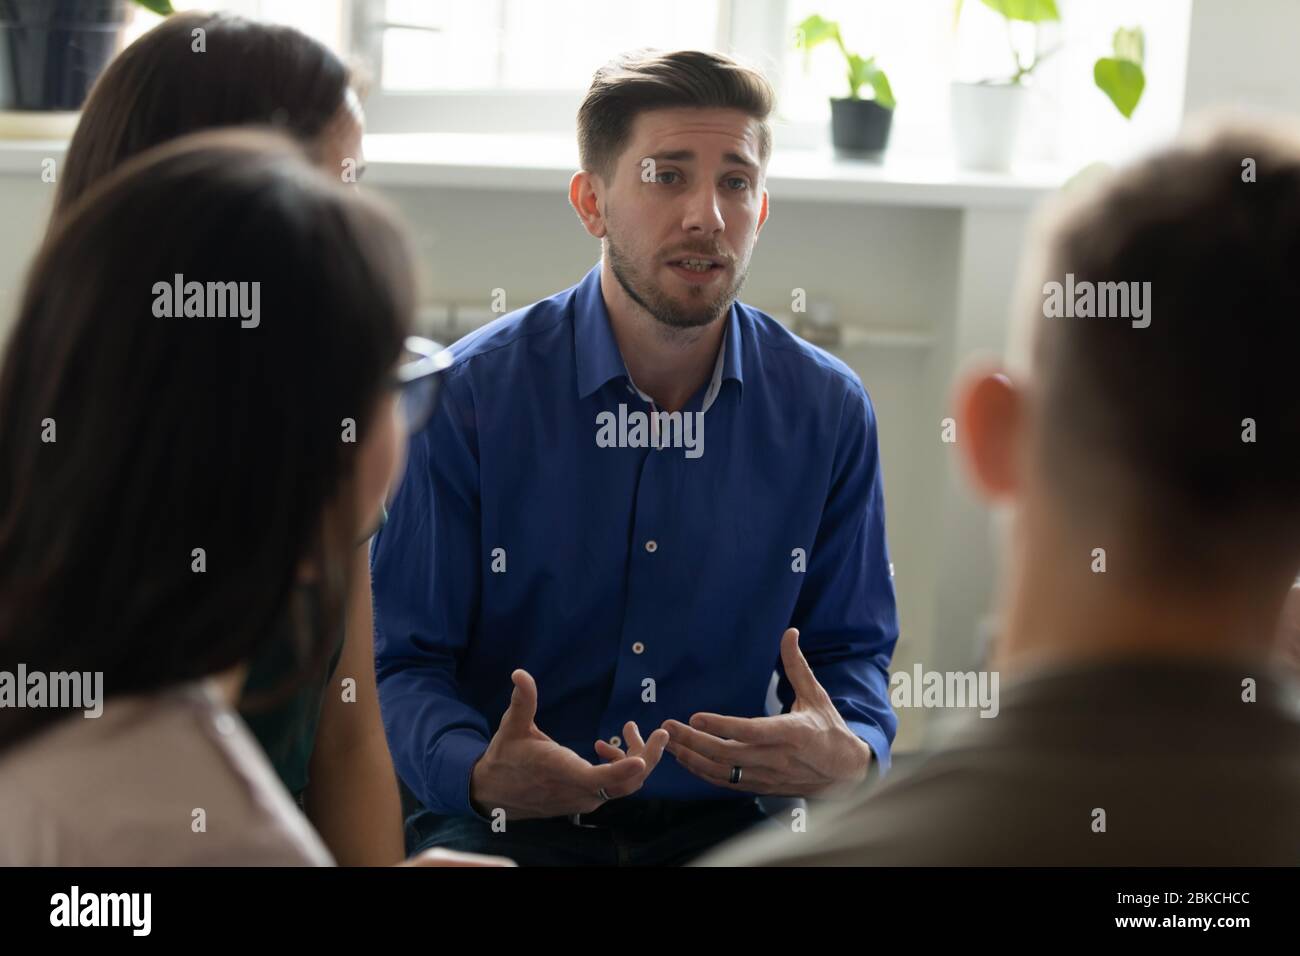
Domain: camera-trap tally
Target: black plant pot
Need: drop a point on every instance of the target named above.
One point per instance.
(860, 126)
(51, 51)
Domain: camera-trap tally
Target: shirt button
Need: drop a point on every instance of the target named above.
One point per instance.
(638, 648)
(616, 741)
(652, 546)
(225, 724)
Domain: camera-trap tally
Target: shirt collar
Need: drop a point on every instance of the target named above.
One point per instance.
(596, 354)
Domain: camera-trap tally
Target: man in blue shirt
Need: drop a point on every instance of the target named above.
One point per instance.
(568, 558)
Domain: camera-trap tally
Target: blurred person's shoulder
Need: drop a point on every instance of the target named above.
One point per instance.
(172, 778)
(1117, 765)
(918, 817)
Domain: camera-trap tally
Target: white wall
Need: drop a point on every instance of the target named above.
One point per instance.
(1242, 53)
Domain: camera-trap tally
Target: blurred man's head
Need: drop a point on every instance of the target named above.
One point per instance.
(1169, 439)
(673, 149)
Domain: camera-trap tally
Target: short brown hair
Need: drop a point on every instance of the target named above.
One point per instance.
(1148, 424)
(648, 80)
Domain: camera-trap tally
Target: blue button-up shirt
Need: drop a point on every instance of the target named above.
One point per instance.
(633, 583)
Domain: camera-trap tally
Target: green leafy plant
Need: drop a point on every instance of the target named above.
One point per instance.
(1036, 12)
(817, 30)
(161, 7)
(1121, 76)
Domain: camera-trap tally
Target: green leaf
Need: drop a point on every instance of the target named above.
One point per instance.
(884, 95)
(1130, 45)
(161, 7)
(1121, 80)
(1030, 11)
(814, 31)
(866, 73)
(858, 74)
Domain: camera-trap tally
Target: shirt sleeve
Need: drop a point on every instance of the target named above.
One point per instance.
(846, 611)
(427, 582)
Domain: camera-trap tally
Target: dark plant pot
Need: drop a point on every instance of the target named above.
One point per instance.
(860, 126)
(51, 51)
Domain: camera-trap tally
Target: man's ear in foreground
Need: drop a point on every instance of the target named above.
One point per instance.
(991, 419)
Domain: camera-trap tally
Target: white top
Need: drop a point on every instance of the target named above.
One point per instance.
(127, 788)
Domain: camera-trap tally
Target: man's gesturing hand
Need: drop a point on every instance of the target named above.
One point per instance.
(527, 774)
(797, 754)
(650, 751)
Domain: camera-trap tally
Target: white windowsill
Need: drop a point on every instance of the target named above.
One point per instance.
(539, 163)
(545, 163)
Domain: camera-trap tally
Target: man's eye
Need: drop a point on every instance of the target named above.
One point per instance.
(660, 177)
(737, 183)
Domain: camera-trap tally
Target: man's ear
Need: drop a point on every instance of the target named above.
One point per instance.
(990, 429)
(584, 197)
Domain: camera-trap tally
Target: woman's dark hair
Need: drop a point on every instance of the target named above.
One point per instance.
(128, 439)
(160, 87)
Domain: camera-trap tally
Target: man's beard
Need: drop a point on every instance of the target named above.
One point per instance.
(650, 297)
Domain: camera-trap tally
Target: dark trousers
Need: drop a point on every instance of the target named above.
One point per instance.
(620, 833)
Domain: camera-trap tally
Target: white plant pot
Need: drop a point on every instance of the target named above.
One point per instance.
(986, 124)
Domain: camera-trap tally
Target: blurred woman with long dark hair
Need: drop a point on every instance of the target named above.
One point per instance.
(182, 489)
(324, 737)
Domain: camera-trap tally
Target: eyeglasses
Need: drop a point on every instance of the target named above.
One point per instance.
(418, 380)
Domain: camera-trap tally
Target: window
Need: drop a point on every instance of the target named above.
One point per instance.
(323, 19)
(521, 66)
(430, 45)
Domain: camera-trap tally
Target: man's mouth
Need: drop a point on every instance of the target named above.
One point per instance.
(697, 264)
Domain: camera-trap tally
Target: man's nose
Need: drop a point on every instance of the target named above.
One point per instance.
(702, 213)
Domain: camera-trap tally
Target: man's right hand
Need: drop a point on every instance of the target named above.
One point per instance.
(527, 774)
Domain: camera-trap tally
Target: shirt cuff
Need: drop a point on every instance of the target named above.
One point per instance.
(874, 738)
(452, 763)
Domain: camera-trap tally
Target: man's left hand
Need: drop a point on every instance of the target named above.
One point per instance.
(801, 753)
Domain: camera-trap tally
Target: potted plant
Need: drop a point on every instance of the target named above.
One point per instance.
(986, 115)
(51, 51)
(858, 126)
